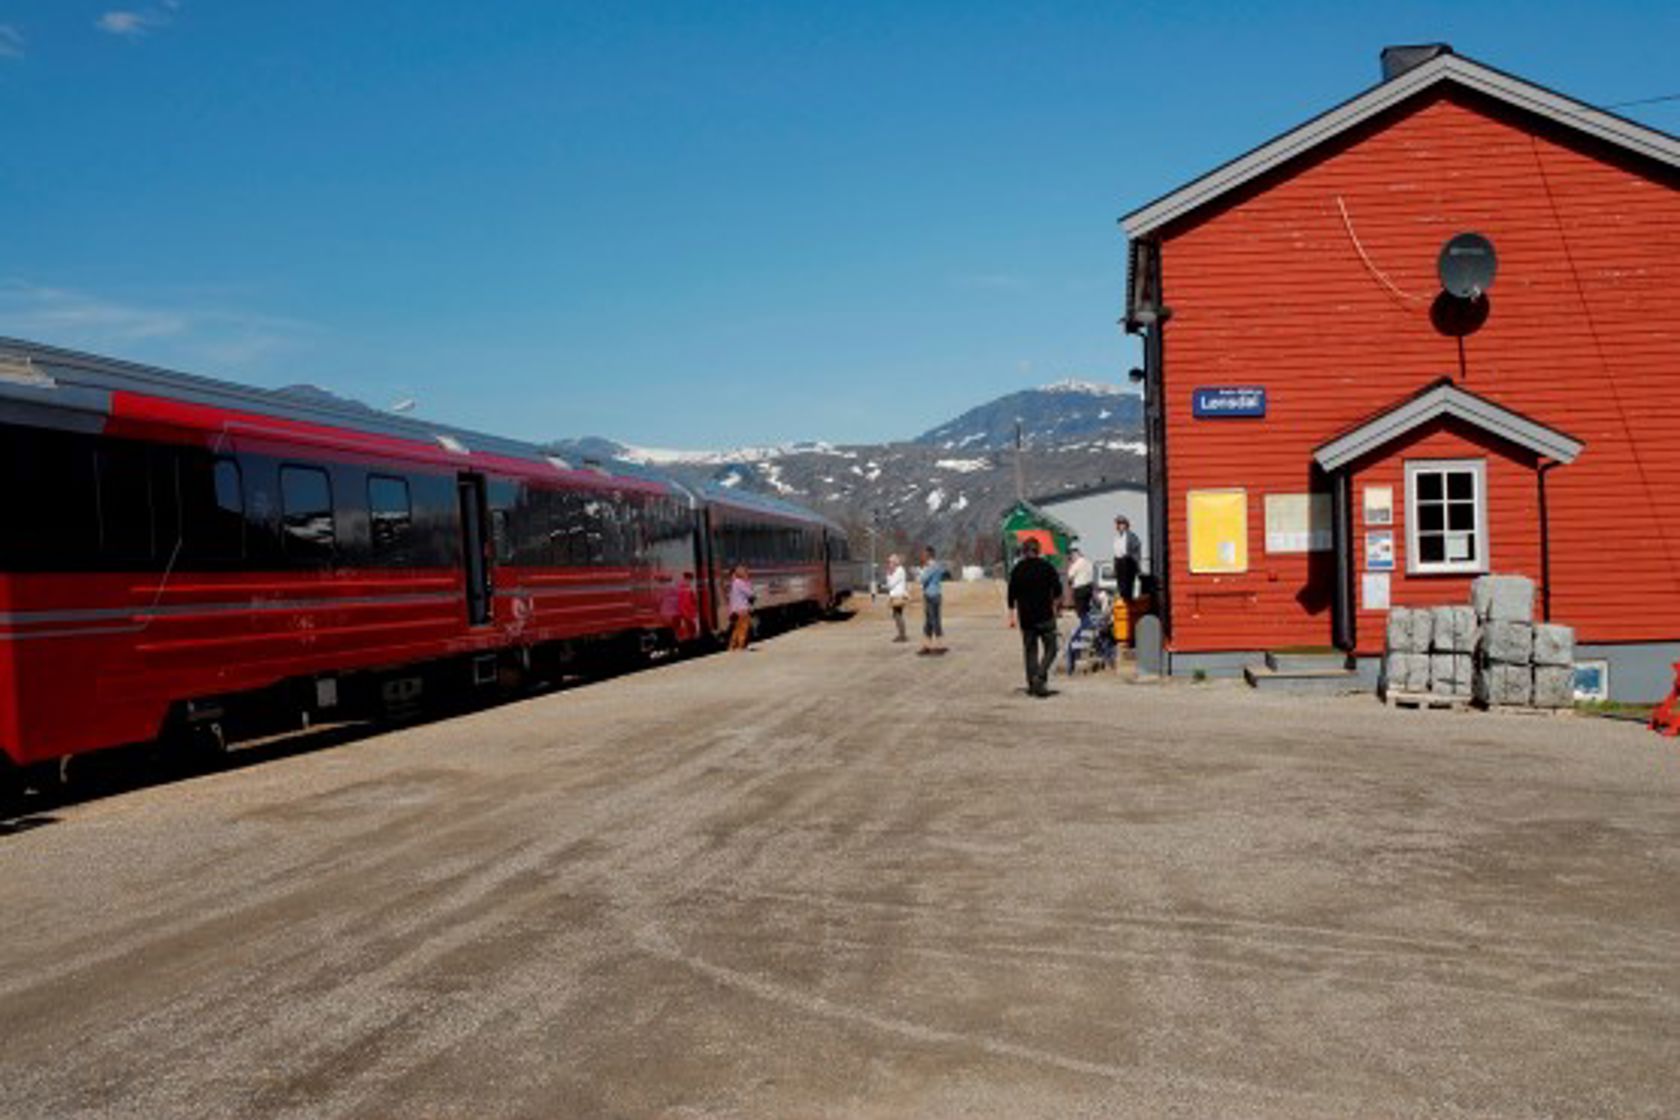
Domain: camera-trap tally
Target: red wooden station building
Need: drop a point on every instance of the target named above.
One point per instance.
(1332, 431)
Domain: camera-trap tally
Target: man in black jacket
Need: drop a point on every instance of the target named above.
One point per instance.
(1035, 588)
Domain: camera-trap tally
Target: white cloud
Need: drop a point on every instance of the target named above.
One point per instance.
(33, 310)
(11, 41)
(194, 333)
(131, 23)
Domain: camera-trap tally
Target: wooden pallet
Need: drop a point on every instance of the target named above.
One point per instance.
(1425, 701)
(1525, 710)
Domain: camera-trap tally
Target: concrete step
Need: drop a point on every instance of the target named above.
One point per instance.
(1305, 682)
(1331, 662)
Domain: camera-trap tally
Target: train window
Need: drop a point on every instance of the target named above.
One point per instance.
(436, 536)
(125, 502)
(212, 502)
(306, 514)
(594, 522)
(52, 495)
(503, 497)
(529, 529)
(562, 531)
(390, 517)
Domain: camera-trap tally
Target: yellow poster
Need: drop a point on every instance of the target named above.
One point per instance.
(1218, 530)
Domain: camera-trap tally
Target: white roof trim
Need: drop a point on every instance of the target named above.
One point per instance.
(1619, 131)
(1447, 400)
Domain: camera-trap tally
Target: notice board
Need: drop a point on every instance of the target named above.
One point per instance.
(1298, 523)
(1218, 530)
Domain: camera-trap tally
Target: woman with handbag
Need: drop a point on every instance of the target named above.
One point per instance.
(898, 593)
(741, 600)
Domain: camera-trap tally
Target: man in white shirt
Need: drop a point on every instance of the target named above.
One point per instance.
(1080, 577)
(898, 593)
(1128, 557)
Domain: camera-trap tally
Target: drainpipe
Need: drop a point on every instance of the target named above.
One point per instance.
(1545, 546)
(1148, 323)
(1343, 622)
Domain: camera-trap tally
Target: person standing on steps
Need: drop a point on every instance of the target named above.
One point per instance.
(934, 576)
(1128, 558)
(898, 593)
(740, 608)
(1035, 588)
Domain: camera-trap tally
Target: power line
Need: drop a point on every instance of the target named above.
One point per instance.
(1644, 101)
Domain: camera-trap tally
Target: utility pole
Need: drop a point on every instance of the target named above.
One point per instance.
(874, 531)
(1020, 477)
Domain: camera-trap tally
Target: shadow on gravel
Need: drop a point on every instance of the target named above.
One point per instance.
(25, 824)
(89, 777)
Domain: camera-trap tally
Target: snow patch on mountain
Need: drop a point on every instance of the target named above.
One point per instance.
(1088, 388)
(963, 466)
(667, 456)
(772, 473)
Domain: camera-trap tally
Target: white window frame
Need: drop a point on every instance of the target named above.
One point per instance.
(1477, 469)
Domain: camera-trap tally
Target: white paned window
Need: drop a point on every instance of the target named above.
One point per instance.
(1446, 516)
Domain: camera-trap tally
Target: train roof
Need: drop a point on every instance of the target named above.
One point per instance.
(113, 374)
(717, 494)
(92, 371)
(107, 375)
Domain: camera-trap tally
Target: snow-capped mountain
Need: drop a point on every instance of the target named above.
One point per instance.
(949, 487)
(1053, 414)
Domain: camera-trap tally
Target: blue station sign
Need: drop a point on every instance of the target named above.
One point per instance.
(1223, 402)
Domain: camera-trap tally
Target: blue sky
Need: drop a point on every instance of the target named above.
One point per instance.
(672, 224)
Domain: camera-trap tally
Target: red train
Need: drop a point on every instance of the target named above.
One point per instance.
(196, 560)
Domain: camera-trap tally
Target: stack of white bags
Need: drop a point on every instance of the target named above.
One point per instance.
(1492, 651)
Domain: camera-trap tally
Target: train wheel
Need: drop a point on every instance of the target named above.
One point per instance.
(11, 789)
(206, 744)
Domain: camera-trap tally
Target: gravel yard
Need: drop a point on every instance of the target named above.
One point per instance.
(829, 878)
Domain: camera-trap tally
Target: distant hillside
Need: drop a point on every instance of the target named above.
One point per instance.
(1052, 414)
(314, 394)
(949, 487)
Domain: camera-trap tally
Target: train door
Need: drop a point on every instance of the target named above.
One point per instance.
(475, 539)
(827, 577)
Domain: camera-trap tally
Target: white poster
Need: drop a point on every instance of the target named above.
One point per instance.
(1379, 505)
(1379, 550)
(1373, 591)
(1298, 523)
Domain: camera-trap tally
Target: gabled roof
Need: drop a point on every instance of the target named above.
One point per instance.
(1444, 68)
(1039, 501)
(1443, 398)
(1042, 516)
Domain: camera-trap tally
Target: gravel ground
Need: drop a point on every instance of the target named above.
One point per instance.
(830, 878)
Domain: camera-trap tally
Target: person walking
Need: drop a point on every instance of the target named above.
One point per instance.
(1081, 580)
(1035, 587)
(1128, 558)
(898, 593)
(740, 608)
(933, 578)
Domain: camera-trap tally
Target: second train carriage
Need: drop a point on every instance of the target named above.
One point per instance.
(182, 554)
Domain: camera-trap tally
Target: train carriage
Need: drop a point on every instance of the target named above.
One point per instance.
(786, 549)
(188, 556)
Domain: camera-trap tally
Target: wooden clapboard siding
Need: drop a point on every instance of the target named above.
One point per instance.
(1268, 288)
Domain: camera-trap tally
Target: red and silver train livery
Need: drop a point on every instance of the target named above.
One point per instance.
(189, 557)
